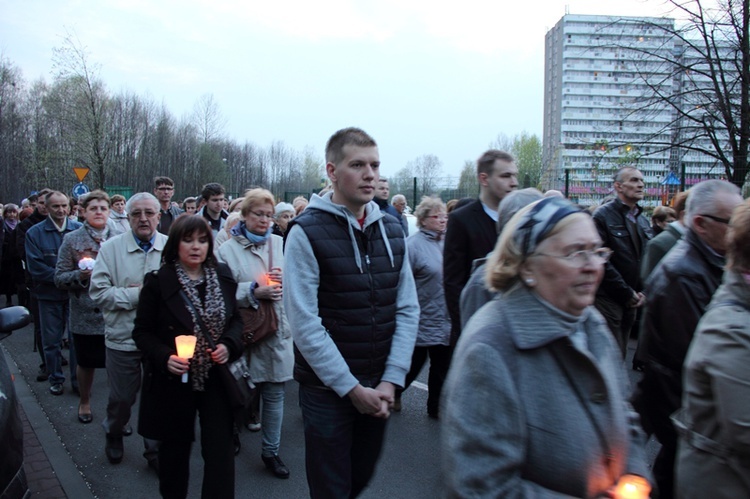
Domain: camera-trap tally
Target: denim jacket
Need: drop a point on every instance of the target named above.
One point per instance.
(43, 242)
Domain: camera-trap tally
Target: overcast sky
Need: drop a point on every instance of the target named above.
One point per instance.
(422, 77)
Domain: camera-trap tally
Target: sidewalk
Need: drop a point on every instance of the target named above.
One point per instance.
(50, 471)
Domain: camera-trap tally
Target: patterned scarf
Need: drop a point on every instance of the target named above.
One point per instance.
(98, 235)
(214, 316)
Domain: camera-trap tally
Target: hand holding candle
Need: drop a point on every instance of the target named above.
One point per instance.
(86, 263)
(185, 348)
(632, 487)
(274, 276)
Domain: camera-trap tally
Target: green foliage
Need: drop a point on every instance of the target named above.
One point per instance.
(468, 182)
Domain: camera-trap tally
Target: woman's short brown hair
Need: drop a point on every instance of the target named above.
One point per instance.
(117, 198)
(96, 195)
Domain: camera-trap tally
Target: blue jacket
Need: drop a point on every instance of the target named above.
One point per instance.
(43, 242)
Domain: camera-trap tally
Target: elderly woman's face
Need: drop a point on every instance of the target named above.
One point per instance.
(283, 219)
(436, 220)
(568, 284)
(259, 218)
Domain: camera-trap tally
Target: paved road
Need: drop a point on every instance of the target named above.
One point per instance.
(409, 467)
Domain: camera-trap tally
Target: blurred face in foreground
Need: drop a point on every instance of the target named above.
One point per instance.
(565, 270)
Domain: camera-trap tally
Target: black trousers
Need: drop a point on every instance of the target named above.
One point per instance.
(217, 449)
(440, 361)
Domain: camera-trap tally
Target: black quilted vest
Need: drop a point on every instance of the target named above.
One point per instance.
(358, 309)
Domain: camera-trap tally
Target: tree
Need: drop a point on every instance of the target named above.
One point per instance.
(208, 119)
(80, 102)
(527, 149)
(427, 168)
(468, 183)
(703, 76)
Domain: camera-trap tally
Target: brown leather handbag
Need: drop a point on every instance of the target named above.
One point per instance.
(260, 323)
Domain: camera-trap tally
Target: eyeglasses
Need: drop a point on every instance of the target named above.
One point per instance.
(581, 257)
(139, 214)
(261, 215)
(724, 221)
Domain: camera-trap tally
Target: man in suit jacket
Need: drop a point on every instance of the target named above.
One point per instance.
(472, 231)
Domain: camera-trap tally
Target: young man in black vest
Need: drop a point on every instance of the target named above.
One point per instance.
(352, 306)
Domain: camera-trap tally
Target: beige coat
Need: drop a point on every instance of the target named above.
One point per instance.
(716, 399)
(273, 359)
(116, 282)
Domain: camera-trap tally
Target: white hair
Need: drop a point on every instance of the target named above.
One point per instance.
(703, 197)
(141, 196)
(398, 197)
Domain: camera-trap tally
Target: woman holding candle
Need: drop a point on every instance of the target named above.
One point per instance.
(74, 265)
(256, 258)
(191, 294)
(713, 457)
(535, 402)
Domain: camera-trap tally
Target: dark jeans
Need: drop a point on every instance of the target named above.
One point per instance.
(440, 361)
(342, 446)
(217, 449)
(33, 306)
(53, 316)
(620, 320)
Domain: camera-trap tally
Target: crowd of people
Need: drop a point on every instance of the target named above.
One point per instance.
(524, 302)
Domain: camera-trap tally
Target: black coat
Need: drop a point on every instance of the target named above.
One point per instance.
(471, 234)
(622, 273)
(679, 290)
(167, 405)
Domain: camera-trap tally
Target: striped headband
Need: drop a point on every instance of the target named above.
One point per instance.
(537, 223)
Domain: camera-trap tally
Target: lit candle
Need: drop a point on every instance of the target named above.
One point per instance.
(185, 348)
(632, 487)
(86, 263)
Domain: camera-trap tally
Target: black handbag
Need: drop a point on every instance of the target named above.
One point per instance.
(238, 386)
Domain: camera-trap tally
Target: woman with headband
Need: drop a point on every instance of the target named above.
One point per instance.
(546, 414)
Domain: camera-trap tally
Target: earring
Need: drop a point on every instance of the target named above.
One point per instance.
(530, 281)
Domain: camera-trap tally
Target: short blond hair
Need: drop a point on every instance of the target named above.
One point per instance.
(425, 207)
(256, 197)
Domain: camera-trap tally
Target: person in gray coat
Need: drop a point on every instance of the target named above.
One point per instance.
(75, 262)
(434, 333)
(547, 413)
(713, 453)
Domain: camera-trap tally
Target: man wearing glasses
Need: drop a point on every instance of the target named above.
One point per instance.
(164, 190)
(678, 291)
(116, 283)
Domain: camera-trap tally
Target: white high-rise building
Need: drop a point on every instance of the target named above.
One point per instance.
(601, 73)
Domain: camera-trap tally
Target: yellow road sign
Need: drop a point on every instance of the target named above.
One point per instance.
(81, 172)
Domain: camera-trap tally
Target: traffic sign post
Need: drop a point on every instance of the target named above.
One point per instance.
(80, 189)
(81, 172)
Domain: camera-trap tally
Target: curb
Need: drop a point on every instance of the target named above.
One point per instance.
(71, 480)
